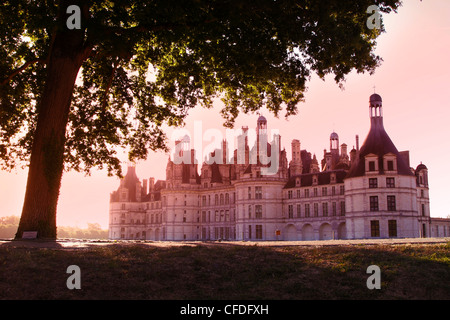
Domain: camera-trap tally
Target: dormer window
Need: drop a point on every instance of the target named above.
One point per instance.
(371, 161)
(390, 163)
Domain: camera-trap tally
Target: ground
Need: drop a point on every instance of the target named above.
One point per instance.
(335, 269)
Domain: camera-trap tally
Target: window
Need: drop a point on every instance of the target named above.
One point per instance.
(290, 194)
(325, 209)
(374, 228)
(390, 182)
(324, 191)
(392, 226)
(227, 198)
(290, 211)
(249, 212)
(204, 201)
(342, 208)
(216, 199)
(316, 209)
(221, 199)
(307, 214)
(341, 190)
(371, 165)
(306, 193)
(423, 210)
(258, 228)
(249, 231)
(299, 210)
(390, 165)
(203, 216)
(422, 194)
(249, 192)
(333, 205)
(298, 193)
(258, 192)
(216, 216)
(391, 203)
(258, 211)
(315, 192)
(373, 183)
(373, 203)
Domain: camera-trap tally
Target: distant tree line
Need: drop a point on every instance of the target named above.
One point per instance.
(8, 229)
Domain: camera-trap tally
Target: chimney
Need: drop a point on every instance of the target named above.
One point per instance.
(357, 143)
(151, 184)
(144, 186)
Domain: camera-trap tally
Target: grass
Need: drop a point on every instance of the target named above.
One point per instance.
(221, 271)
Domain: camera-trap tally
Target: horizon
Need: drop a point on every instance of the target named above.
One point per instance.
(412, 81)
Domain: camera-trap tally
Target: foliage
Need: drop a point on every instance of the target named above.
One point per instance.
(148, 63)
(8, 228)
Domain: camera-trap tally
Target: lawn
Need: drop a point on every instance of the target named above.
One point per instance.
(218, 271)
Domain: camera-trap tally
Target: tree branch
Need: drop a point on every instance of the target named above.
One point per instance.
(19, 70)
(108, 86)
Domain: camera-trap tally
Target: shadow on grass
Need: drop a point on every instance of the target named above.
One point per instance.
(218, 271)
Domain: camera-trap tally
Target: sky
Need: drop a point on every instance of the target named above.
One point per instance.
(413, 81)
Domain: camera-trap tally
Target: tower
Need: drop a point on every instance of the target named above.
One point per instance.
(296, 165)
(380, 188)
(261, 140)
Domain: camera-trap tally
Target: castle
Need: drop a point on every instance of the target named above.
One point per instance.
(369, 192)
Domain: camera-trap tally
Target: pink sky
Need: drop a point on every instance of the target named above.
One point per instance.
(413, 81)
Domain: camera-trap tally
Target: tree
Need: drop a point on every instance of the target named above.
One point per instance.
(141, 64)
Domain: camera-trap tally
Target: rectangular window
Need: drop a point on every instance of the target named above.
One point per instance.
(299, 210)
(325, 209)
(203, 216)
(258, 192)
(290, 211)
(371, 165)
(391, 206)
(334, 208)
(324, 191)
(374, 228)
(333, 190)
(390, 182)
(249, 212)
(390, 165)
(316, 209)
(306, 193)
(341, 190)
(258, 211)
(298, 193)
(290, 194)
(423, 210)
(258, 229)
(373, 183)
(392, 226)
(249, 231)
(249, 192)
(342, 208)
(315, 192)
(373, 203)
(307, 212)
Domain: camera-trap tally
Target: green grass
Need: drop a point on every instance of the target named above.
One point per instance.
(223, 271)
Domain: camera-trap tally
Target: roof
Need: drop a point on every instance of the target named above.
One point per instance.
(377, 142)
(375, 98)
(323, 178)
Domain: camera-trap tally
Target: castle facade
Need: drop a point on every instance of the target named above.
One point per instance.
(368, 192)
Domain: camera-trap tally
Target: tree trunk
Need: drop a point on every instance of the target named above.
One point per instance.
(47, 153)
